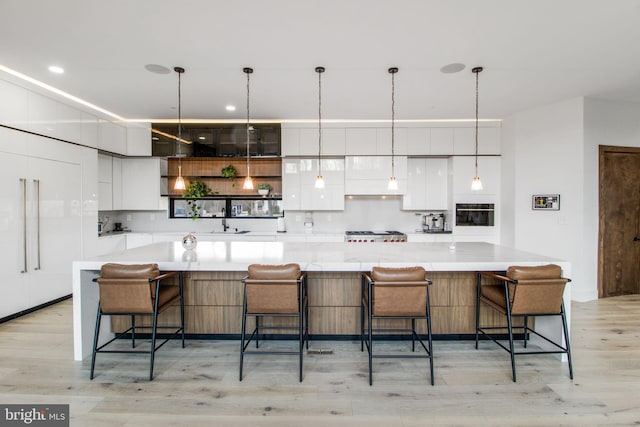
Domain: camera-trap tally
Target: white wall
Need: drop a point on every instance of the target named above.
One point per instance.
(545, 150)
(554, 149)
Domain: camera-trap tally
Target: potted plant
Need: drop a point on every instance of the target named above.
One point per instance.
(229, 172)
(263, 189)
(195, 191)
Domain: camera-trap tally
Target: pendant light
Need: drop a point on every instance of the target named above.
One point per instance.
(393, 181)
(319, 179)
(248, 182)
(179, 185)
(476, 185)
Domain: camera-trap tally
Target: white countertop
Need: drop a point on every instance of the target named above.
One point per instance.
(238, 255)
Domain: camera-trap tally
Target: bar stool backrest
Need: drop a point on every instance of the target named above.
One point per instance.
(399, 291)
(273, 289)
(126, 288)
(538, 290)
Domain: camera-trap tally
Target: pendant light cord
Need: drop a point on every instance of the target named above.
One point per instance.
(477, 72)
(179, 112)
(319, 70)
(393, 72)
(246, 70)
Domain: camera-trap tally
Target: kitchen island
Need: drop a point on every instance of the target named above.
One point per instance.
(213, 292)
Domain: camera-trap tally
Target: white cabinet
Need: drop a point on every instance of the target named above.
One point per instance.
(40, 212)
(298, 180)
(116, 189)
(141, 184)
(112, 137)
(139, 140)
(441, 141)
(418, 142)
(370, 175)
(427, 184)
(14, 106)
(105, 183)
(464, 141)
(304, 141)
(361, 141)
(464, 171)
(375, 141)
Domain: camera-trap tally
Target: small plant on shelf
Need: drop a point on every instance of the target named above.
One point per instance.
(196, 190)
(263, 189)
(230, 172)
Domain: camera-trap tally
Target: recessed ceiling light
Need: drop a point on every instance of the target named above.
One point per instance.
(158, 69)
(230, 107)
(202, 138)
(455, 67)
(56, 69)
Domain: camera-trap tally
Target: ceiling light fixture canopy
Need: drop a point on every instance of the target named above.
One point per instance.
(248, 182)
(319, 179)
(476, 184)
(393, 181)
(180, 184)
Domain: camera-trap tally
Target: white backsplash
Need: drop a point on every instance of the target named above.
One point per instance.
(360, 213)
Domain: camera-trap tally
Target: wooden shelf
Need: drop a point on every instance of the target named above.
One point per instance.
(264, 170)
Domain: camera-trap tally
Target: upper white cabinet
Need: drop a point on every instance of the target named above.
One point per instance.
(298, 179)
(370, 174)
(354, 140)
(141, 184)
(427, 184)
(14, 106)
(418, 142)
(105, 183)
(464, 141)
(375, 141)
(441, 141)
(139, 140)
(116, 191)
(304, 141)
(112, 137)
(89, 130)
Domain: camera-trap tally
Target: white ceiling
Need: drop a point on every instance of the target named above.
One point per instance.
(534, 53)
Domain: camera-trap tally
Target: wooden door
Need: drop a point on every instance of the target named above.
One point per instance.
(619, 227)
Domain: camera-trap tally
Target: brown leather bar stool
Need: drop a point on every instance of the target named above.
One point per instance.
(395, 293)
(524, 291)
(275, 291)
(136, 290)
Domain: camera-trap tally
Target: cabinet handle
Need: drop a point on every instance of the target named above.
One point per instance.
(23, 182)
(37, 185)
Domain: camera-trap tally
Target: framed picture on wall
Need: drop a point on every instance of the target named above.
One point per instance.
(548, 202)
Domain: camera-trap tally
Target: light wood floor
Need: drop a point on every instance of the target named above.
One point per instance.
(198, 386)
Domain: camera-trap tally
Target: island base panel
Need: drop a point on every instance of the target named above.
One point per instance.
(213, 305)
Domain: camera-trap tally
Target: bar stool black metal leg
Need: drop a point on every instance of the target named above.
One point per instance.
(95, 341)
(565, 330)
(133, 331)
(478, 284)
(242, 333)
(413, 334)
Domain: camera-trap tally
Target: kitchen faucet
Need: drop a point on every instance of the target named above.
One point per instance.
(225, 227)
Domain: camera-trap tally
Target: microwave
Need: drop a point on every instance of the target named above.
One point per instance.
(475, 214)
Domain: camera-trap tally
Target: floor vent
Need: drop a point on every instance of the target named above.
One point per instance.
(320, 351)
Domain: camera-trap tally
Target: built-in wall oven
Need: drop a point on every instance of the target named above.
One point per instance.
(475, 214)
